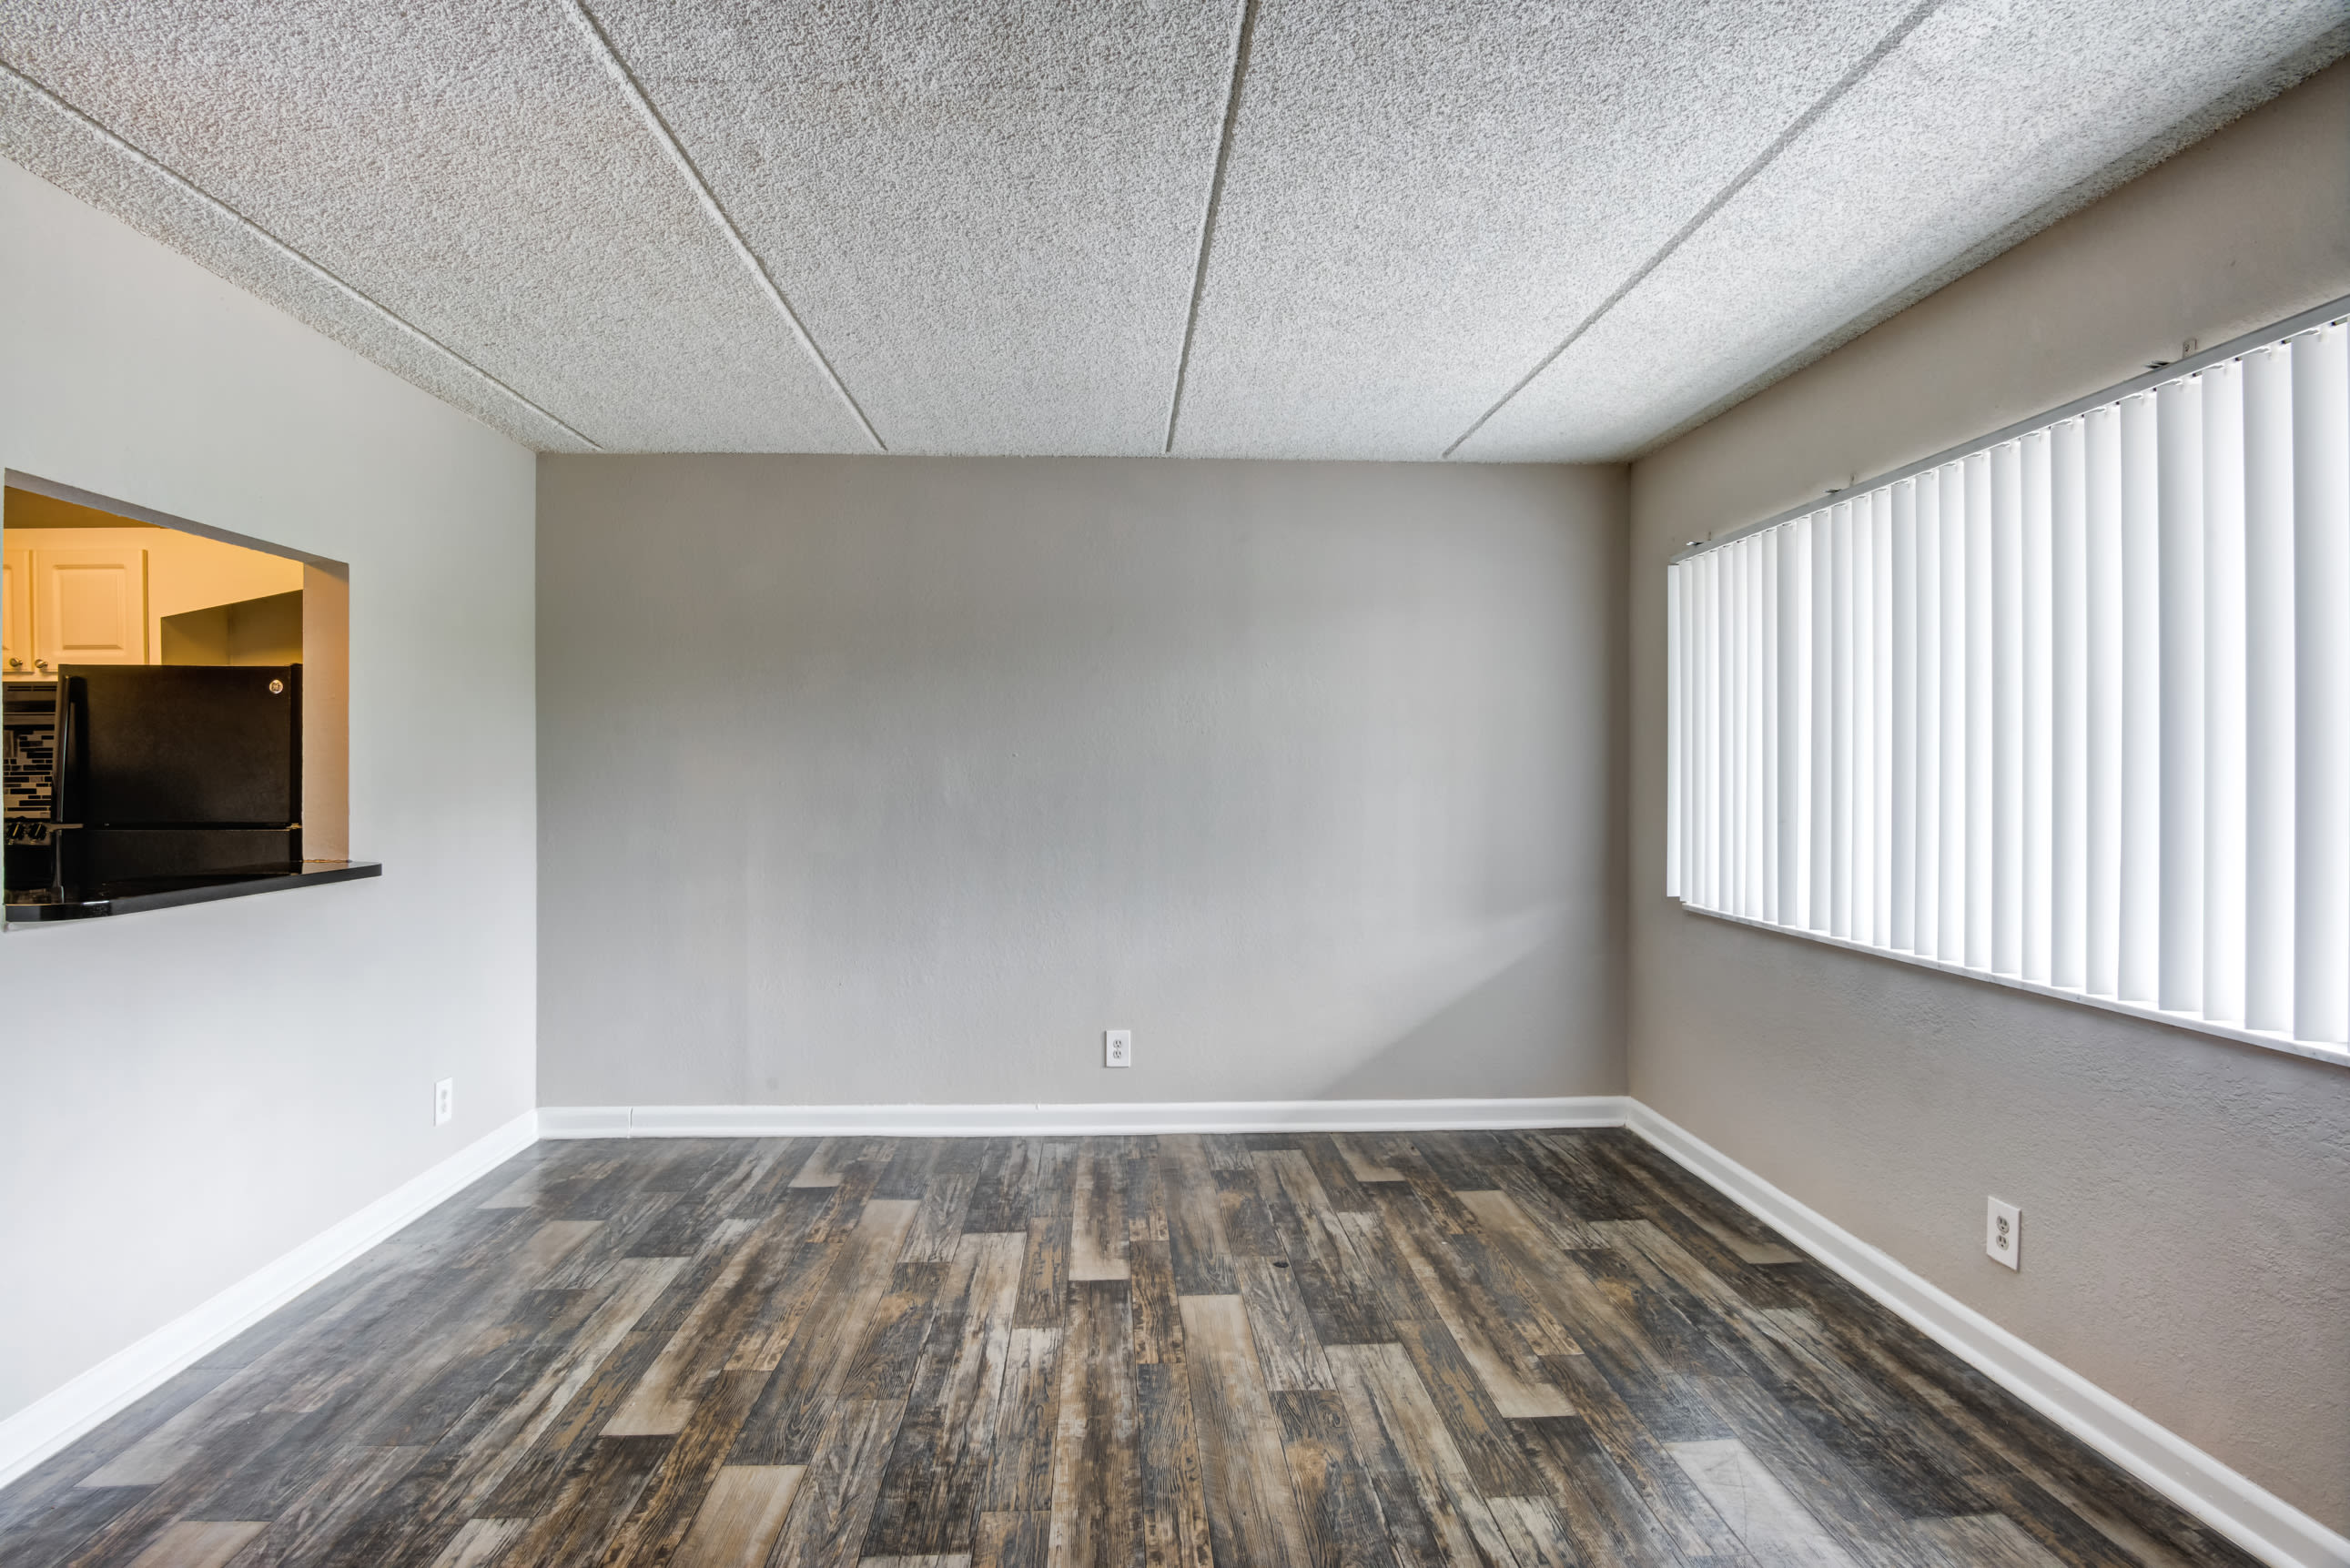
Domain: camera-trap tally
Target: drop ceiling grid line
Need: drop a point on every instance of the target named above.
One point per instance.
(367, 302)
(1745, 177)
(609, 54)
(1241, 40)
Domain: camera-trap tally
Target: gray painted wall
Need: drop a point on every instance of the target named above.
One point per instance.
(2185, 1199)
(899, 780)
(187, 1095)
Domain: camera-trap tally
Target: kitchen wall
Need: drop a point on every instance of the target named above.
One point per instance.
(192, 1093)
(2185, 1199)
(899, 780)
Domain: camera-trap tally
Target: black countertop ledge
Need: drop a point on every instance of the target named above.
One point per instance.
(138, 894)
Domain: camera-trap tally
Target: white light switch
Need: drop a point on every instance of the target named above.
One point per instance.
(2003, 1234)
(1117, 1048)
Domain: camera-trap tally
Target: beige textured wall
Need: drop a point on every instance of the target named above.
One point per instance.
(890, 780)
(2187, 1200)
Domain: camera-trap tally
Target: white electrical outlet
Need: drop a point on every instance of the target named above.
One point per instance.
(2003, 1234)
(1117, 1048)
(444, 1102)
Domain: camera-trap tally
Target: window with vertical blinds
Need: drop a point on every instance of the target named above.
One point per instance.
(2070, 709)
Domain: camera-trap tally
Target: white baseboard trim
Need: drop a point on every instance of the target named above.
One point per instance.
(2254, 1518)
(56, 1419)
(1071, 1121)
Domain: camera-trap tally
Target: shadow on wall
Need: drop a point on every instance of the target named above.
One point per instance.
(1473, 1032)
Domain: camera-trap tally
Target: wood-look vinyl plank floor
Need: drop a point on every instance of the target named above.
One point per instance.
(1505, 1350)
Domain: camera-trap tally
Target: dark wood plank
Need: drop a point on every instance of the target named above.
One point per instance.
(1343, 1526)
(1432, 1509)
(1511, 1378)
(1175, 1529)
(1097, 1509)
(796, 1407)
(1252, 1506)
(1044, 1273)
(828, 1523)
(1004, 1197)
(672, 1502)
(934, 1482)
(1195, 1225)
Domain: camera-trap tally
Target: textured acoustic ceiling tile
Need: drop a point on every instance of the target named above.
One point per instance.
(467, 164)
(1423, 197)
(986, 211)
(1989, 110)
(38, 133)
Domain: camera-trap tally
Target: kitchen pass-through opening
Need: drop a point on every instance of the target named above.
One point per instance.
(177, 708)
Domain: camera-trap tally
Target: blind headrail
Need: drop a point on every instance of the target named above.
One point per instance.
(2325, 314)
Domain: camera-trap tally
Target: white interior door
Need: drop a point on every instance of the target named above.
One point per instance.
(16, 613)
(90, 607)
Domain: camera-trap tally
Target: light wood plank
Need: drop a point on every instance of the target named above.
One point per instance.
(739, 1518)
(823, 1166)
(1097, 1238)
(1777, 1530)
(1011, 1540)
(480, 1542)
(522, 1192)
(1986, 1541)
(1537, 1536)
(189, 1544)
(1366, 1164)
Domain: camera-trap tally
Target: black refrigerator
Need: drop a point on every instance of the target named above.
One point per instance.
(173, 771)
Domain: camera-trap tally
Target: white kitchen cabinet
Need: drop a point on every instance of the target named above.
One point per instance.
(86, 606)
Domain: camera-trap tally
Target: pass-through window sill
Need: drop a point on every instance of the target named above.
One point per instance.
(137, 897)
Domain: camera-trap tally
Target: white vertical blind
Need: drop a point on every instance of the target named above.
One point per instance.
(1926, 500)
(2179, 505)
(1881, 782)
(2007, 709)
(2101, 437)
(2270, 705)
(2224, 763)
(1676, 725)
(2068, 707)
(2038, 675)
(1952, 925)
(2321, 511)
(2141, 693)
(2071, 709)
(1980, 647)
(1792, 714)
(1901, 705)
